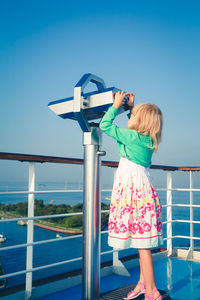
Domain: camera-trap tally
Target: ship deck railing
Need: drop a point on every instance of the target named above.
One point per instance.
(189, 253)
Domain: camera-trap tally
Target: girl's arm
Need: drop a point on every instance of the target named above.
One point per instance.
(106, 125)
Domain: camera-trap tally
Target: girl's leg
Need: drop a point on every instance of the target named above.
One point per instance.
(138, 287)
(146, 265)
(141, 271)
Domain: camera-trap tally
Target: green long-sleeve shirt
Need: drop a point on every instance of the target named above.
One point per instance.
(131, 144)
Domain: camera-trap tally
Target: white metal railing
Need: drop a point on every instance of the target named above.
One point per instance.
(47, 192)
(30, 228)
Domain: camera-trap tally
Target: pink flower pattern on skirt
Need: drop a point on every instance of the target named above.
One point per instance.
(135, 210)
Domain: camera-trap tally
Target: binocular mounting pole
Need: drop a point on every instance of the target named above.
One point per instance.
(91, 214)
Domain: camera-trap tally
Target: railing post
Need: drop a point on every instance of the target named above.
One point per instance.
(169, 275)
(30, 230)
(169, 212)
(191, 213)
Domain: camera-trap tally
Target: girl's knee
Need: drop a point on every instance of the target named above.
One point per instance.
(144, 251)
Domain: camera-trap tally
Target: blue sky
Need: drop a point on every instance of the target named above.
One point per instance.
(148, 47)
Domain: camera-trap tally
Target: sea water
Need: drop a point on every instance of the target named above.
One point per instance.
(15, 260)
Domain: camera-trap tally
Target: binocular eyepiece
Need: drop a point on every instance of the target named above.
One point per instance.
(126, 99)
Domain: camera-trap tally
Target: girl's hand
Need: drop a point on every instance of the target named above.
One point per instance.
(118, 99)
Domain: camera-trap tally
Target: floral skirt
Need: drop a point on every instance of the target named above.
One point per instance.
(135, 219)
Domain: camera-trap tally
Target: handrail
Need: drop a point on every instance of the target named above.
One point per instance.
(39, 158)
(67, 160)
(81, 190)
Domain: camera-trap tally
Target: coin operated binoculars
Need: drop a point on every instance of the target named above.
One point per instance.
(85, 107)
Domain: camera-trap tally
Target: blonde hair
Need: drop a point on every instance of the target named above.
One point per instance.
(147, 119)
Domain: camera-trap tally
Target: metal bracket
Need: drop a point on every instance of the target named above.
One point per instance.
(189, 254)
(80, 102)
(118, 266)
(101, 153)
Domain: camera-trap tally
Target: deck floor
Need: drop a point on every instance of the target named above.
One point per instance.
(122, 292)
(180, 279)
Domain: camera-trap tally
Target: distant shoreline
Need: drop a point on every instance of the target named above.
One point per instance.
(55, 229)
(69, 231)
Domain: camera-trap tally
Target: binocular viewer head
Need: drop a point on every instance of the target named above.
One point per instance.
(84, 107)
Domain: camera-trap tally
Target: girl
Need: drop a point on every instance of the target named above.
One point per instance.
(135, 210)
